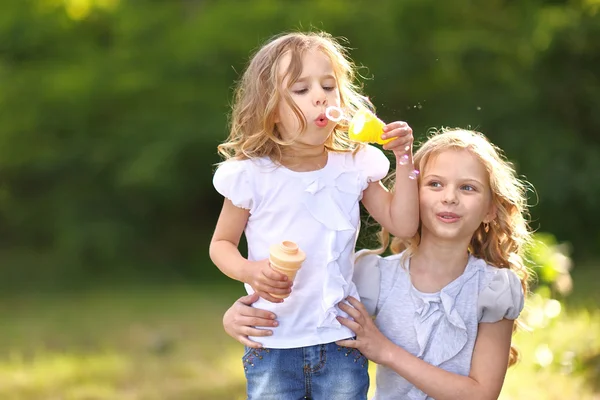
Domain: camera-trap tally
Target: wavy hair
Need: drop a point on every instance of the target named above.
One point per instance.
(504, 245)
(257, 94)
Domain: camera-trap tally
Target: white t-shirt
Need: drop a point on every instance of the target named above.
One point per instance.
(439, 328)
(319, 210)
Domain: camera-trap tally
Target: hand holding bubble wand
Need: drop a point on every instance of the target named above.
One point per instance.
(367, 128)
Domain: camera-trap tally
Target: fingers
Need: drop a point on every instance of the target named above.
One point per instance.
(263, 278)
(347, 343)
(357, 304)
(268, 283)
(351, 311)
(251, 331)
(256, 313)
(248, 300)
(273, 275)
(265, 288)
(352, 325)
(396, 129)
(255, 321)
(274, 282)
(395, 125)
(267, 296)
(247, 342)
(401, 132)
(242, 309)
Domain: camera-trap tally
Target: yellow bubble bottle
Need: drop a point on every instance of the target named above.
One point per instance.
(363, 127)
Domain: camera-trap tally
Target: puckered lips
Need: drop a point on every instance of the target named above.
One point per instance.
(321, 120)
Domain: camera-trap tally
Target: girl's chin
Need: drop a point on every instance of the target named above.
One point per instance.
(448, 232)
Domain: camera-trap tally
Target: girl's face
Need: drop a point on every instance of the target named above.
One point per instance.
(455, 196)
(313, 92)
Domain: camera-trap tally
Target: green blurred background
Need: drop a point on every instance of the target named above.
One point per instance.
(111, 111)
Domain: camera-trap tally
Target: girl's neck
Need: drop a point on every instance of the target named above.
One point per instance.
(304, 158)
(303, 151)
(441, 256)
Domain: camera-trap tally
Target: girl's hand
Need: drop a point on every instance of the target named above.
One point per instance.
(241, 320)
(266, 281)
(403, 135)
(369, 340)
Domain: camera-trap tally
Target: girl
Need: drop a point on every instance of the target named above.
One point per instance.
(291, 174)
(445, 306)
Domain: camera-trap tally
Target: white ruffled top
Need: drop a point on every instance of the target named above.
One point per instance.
(439, 328)
(319, 210)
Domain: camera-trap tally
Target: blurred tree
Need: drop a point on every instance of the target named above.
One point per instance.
(111, 112)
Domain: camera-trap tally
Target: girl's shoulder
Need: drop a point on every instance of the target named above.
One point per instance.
(234, 179)
(366, 153)
(235, 164)
(488, 273)
(375, 276)
(368, 257)
(369, 161)
(500, 292)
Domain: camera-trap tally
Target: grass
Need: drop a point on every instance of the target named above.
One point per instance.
(161, 343)
(137, 343)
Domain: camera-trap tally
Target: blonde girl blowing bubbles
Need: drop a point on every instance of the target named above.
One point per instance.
(292, 174)
(446, 301)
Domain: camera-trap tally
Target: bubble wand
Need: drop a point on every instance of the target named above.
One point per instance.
(367, 128)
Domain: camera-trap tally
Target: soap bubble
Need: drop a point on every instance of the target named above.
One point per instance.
(414, 174)
(335, 114)
(403, 160)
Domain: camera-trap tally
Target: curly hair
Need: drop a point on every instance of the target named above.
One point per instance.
(257, 94)
(504, 244)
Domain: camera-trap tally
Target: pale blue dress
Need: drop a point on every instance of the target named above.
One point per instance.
(439, 328)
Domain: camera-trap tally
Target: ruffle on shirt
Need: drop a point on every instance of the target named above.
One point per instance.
(324, 205)
(331, 198)
(437, 315)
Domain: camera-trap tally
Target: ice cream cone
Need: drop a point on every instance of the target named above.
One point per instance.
(286, 257)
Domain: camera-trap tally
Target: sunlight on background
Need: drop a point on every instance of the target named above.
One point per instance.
(49, 372)
(80, 9)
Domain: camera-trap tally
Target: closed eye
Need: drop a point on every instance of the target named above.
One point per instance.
(300, 91)
(329, 88)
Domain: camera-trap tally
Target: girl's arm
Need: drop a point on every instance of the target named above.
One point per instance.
(225, 255)
(398, 213)
(488, 365)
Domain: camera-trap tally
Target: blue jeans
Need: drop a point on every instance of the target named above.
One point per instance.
(320, 372)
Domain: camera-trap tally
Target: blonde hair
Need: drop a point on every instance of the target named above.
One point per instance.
(259, 91)
(503, 246)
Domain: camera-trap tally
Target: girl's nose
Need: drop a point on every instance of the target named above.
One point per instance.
(450, 197)
(320, 97)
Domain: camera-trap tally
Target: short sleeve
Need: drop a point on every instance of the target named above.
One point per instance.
(367, 279)
(502, 298)
(232, 180)
(373, 164)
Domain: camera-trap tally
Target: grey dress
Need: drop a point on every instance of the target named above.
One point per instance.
(439, 328)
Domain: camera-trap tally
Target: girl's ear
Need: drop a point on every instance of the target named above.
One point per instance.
(492, 213)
